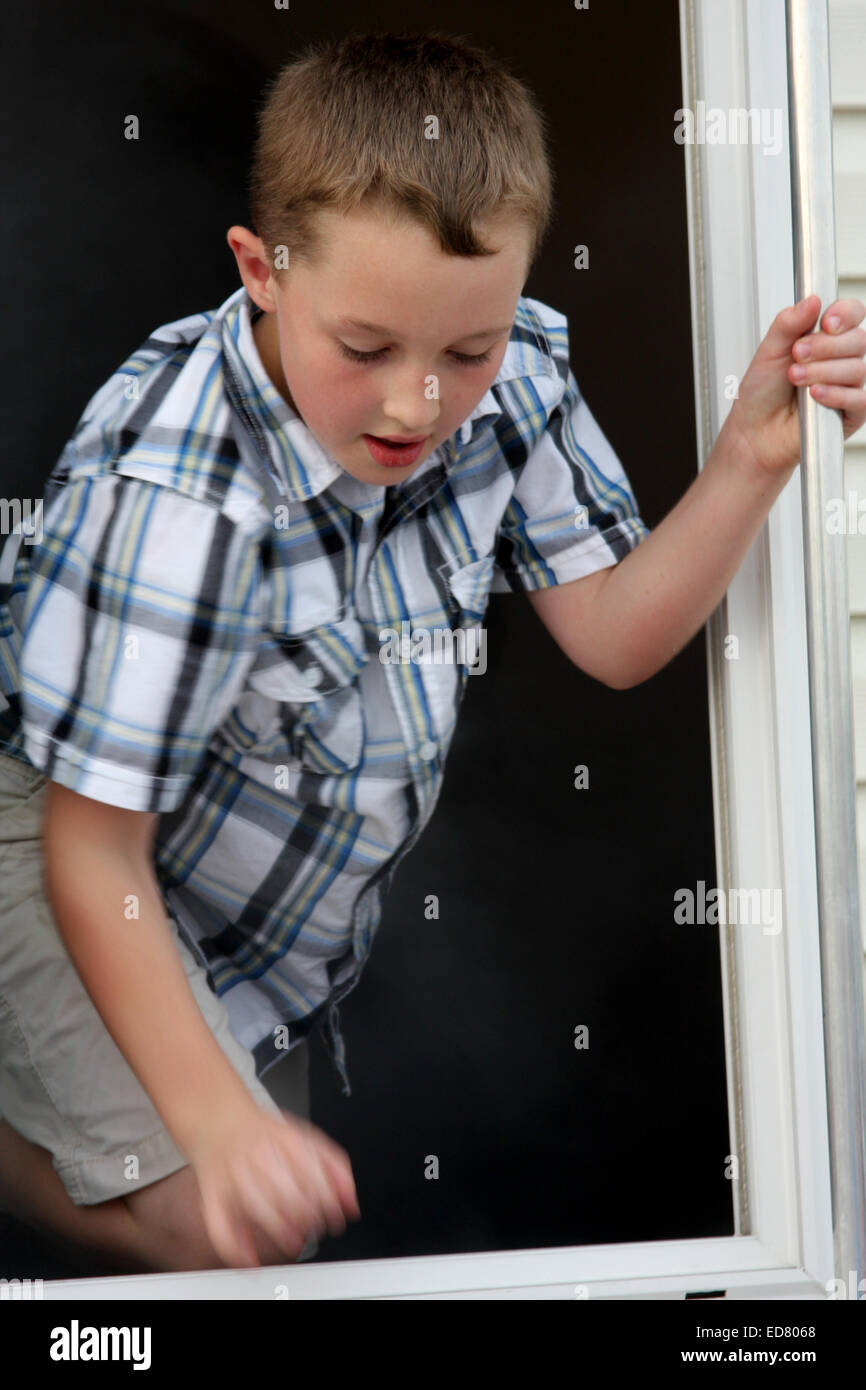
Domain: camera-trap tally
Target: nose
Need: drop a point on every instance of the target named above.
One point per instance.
(412, 403)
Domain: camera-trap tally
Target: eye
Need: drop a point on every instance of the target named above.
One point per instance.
(355, 356)
(460, 357)
(465, 360)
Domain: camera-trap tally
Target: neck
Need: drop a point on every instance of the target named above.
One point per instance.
(267, 343)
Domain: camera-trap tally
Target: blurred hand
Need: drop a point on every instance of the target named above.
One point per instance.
(281, 1175)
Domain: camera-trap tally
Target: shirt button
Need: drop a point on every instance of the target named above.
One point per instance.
(313, 675)
(427, 750)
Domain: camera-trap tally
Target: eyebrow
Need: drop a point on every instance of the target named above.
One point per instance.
(378, 328)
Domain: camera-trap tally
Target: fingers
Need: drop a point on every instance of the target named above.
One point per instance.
(791, 324)
(798, 320)
(287, 1192)
(268, 1193)
(338, 1170)
(830, 363)
(324, 1173)
(846, 399)
(843, 314)
(320, 1171)
(820, 346)
(846, 371)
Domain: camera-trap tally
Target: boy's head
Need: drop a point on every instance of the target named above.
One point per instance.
(402, 180)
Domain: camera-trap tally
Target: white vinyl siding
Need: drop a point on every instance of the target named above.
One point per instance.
(848, 88)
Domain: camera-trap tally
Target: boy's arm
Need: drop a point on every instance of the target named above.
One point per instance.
(624, 623)
(95, 856)
(625, 627)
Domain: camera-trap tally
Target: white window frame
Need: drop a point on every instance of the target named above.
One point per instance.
(742, 273)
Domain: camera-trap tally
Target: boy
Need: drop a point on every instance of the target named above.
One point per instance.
(376, 430)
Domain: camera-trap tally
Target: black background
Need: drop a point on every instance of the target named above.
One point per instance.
(556, 905)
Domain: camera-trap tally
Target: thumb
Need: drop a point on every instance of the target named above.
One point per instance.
(791, 324)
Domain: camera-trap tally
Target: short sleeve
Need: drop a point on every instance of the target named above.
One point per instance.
(141, 621)
(572, 510)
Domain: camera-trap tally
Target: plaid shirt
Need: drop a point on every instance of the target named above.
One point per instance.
(216, 622)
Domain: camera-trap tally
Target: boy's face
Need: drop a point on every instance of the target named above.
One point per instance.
(432, 310)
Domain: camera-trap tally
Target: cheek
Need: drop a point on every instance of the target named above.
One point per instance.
(474, 384)
(338, 398)
(351, 391)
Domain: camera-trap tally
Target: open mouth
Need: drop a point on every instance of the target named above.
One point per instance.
(398, 443)
(393, 454)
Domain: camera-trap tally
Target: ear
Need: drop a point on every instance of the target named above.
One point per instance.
(249, 252)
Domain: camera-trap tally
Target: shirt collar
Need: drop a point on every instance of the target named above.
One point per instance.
(304, 468)
(302, 465)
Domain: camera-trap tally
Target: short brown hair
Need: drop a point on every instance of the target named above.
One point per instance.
(347, 122)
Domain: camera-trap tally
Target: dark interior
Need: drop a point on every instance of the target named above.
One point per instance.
(556, 904)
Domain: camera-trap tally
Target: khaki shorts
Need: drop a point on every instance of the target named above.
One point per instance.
(64, 1084)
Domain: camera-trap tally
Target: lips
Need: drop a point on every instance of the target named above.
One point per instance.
(398, 439)
(394, 453)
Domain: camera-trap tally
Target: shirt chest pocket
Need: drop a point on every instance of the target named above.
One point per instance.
(469, 587)
(310, 681)
(468, 596)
